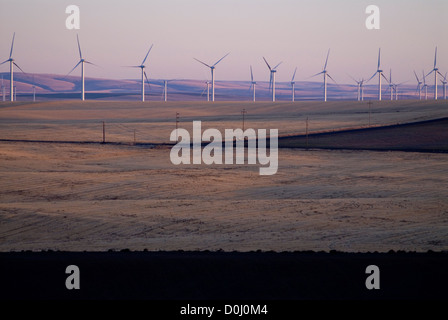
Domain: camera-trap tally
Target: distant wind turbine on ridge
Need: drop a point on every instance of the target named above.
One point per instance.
(391, 85)
(11, 70)
(272, 77)
(436, 71)
(212, 69)
(81, 62)
(380, 74)
(419, 86)
(425, 86)
(293, 85)
(360, 91)
(444, 82)
(144, 76)
(326, 74)
(253, 84)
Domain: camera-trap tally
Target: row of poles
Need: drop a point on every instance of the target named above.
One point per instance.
(243, 114)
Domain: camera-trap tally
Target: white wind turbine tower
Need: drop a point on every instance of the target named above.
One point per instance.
(326, 74)
(144, 76)
(11, 70)
(380, 74)
(293, 85)
(425, 86)
(436, 71)
(165, 90)
(272, 78)
(419, 86)
(252, 82)
(444, 82)
(81, 62)
(212, 69)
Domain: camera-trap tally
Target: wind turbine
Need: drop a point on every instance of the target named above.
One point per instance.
(419, 88)
(272, 77)
(212, 69)
(360, 92)
(293, 85)
(326, 74)
(144, 76)
(391, 85)
(444, 82)
(11, 70)
(436, 71)
(425, 86)
(165, 89)
(207, 87)
(380, 74)
(252, 82)
(81, 62)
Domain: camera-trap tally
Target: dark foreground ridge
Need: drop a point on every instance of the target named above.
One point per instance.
(232, 276)
(422, 136)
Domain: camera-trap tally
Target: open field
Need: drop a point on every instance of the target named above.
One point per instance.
(97, 197)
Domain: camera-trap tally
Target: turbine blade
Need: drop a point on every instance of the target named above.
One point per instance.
(430, 72)
(79, 47)
(203, 91)
(12, 45)
(416, 76)
(251, 74)
(146, 77)
(270, 82)
(372, 76)
(435, 59)
(326, 61)
(74, 68)
(267, 63)
(331, 78)
(4, 62)
(385, 78)
(91, 63)
(143, 62)
(18, 67)
(316, 74)
(220, 59)
(379, 59)
(277, 66)
(294, 75)
(202, 62)
(352, 78)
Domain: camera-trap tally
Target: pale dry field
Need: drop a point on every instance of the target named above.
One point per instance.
(98, 197)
